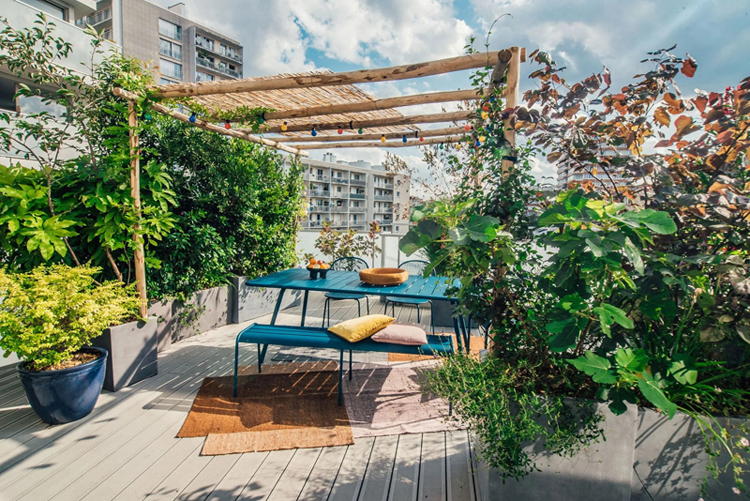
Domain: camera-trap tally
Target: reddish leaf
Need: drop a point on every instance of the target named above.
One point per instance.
(555, 78)
(725, 137)
(662, 117)
(672, 101)
(700, 103)
(713, 115)
(553, 157)
(606, 76)
(713, 97)
(718, 187)
(684, 125)
(688, 67)
(619, 97)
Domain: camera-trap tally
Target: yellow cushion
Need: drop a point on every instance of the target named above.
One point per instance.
(361, 328)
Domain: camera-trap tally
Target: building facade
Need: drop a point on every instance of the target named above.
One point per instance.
(353, 194)
(183, 50)
(567, 173)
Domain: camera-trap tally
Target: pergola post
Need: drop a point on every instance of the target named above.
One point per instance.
(135, 192)
(512, 98)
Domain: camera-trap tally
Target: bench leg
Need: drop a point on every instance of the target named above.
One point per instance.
(456, 330)
(359, 309)
(236, 363)
(304, 309)
(432, 316)
(350, 365)
(367, 299)
(259, 358)
(325, 309)
(341, 377)
(419, 314)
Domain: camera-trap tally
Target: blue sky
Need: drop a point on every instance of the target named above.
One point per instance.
(584, 35)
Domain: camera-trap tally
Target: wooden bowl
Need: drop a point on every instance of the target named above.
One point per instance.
(383, 276)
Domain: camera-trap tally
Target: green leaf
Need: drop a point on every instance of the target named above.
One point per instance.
(651, 388)
(595, 366)
(412, 242)
(633, 254)
(633, 361)
(553, 216)
(558, 326)
(482, 228)
(566, 339)
(429, 228)
(609, 314)
(46, 249)
(705, 300)
(683, 369)
(656, 221)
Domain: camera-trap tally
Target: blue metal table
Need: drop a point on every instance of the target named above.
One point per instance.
(415, 287)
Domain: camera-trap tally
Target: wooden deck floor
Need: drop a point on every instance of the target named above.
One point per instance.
(127, 450)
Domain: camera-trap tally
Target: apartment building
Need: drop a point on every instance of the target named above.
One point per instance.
(568, 172)
(23, 14)
(183, 50)
(353, 194)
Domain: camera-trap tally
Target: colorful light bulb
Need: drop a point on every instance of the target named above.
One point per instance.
(403, 140)
(314, 132)
(382, 139)
(284, 127)
(227, 125)
(481, 139)
(486, 107)
(192, 118)
(361, 130)
(467, 127)
(340, 131)
(485, 115)
(421, 139)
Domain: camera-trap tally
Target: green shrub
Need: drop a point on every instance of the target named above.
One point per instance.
(51, 312)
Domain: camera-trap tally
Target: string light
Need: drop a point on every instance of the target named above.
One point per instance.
(441, 146)
(340, 131)
(403, 140)
(481, 139)
(361, 131)
(314, 132)
(147, 116)
(262, 118)
(382, 138)
(458, 146)
(467, 127)
(227, 125)
(421, 139)
(485, 115)
(284, 127)
(192, 118)
(486, 107)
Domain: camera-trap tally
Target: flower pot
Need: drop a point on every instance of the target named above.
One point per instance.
(132, 353)
(65, 395)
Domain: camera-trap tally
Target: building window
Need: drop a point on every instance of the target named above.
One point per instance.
(398, 193)
(164, 81)
(170, 69)
(203, 77)
(396, 228)
(204, 42)
(170, 49)
(223, 50)
(52, 8)
(108, 34)
(170, 30)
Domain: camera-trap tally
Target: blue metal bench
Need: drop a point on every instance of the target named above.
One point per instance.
(312, 337)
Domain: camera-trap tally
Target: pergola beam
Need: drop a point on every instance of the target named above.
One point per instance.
(453, 116)
(402, 72)
(202, 124)
(380, 144)
(374, 136)
(377, 104)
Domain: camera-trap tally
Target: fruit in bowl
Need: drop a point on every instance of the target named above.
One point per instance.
(316, 266)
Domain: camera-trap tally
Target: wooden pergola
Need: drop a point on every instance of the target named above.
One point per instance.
(341, 114)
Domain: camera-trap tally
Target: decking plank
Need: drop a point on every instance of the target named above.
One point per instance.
(295, 475)
(204, 483)
(348, 482)
(377, 480)
(460, 481)
(405, 480)
(232, 484)
(267, 476)
(320, 482)
(432, 473)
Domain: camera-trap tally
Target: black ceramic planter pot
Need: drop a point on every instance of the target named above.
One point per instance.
(65, 395)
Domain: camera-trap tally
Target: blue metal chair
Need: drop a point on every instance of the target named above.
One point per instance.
(414, 267)
(349, 263)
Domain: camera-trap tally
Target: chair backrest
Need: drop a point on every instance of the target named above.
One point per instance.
(349, 263)
(415, 267)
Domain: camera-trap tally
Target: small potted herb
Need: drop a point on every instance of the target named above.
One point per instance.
(48, 316)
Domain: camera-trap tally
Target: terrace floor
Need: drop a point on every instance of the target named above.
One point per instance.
(126, 449)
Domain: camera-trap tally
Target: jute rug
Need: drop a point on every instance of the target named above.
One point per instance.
(288, 406)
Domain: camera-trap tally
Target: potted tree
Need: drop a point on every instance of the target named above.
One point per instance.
(48, 316)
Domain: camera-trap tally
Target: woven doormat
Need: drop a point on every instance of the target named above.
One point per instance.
(288, 406)
(476, 342)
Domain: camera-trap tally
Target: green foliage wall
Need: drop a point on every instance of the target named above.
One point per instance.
(237, 209)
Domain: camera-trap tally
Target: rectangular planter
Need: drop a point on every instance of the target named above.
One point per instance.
(646, 457)
(132, 353)
(247, 303)
(206, 310)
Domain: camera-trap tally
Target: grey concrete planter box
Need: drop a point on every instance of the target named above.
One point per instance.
(645, 456)
(247, 303)
(132, 353)
(206, 310)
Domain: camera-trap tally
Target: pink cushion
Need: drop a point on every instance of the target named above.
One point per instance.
(401, 334)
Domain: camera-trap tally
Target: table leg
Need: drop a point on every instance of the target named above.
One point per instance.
(278, 305)
(341, 377)
(304, 309)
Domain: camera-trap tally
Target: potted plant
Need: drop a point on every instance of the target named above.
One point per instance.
(48, 316)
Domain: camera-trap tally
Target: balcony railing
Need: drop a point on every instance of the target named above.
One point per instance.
(384, 222)
(318, 193)
(358, 182)
(339, 180)
(211, 47)
(319, 178)
(340, 209)
(383, 211)
(357, 209)
(356, 224)
(357, 196)
(342, 195)
(201, 61)
(319, 208)
(384, 198)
